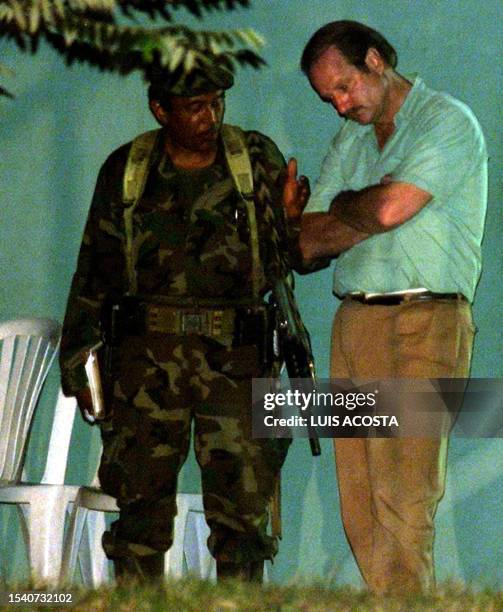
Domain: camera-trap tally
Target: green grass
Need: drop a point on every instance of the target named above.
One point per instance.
(196, 596)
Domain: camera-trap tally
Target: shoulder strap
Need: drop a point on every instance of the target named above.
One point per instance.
(137, 166)
(135, 177)
(238, 161)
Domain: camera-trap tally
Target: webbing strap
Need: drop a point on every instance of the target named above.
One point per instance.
(135, 178)
(238, 160)
(137, 166)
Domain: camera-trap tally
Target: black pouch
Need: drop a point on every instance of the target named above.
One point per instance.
(255, 327)
(131, 319)
(124, 316)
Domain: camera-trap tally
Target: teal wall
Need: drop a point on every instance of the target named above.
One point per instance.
(64, 123)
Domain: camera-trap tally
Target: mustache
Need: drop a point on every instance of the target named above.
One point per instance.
(352, 112)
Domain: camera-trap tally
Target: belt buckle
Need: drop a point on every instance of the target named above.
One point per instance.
(193, 322)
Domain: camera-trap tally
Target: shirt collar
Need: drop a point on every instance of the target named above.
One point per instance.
(405, 111)
(408, 107)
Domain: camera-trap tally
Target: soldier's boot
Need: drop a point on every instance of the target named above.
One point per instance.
(247, 572)
(257, 571)
(142, 569)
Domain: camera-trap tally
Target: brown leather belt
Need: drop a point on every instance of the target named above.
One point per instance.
(391, 299)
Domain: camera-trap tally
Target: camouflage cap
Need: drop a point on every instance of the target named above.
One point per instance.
(200, 80)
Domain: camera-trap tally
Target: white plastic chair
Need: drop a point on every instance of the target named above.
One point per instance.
(188, 554)
(28, 347)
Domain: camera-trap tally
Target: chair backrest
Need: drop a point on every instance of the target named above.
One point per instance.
(28, 347)
(59, 442)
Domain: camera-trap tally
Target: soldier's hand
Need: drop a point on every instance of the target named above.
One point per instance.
(85, 404)
(296, 191)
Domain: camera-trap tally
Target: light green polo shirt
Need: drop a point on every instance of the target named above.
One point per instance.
(438, 146)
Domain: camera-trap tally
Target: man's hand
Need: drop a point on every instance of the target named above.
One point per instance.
(296, 192)
(324, 235)
(85, 404)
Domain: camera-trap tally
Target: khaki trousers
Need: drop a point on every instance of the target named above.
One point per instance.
(390, 488)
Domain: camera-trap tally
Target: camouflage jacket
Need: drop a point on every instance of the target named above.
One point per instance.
(191, 239)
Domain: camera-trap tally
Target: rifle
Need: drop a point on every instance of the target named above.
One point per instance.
(295, 345)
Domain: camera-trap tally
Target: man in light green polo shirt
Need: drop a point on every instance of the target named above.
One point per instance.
(401, 203)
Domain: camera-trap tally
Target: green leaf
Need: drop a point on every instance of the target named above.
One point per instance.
(176, 57)
(105, 34)
(19, 15)
(47, 16)
(189, 60)
(34, 18)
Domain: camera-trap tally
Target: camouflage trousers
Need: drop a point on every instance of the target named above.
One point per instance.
(163, 385)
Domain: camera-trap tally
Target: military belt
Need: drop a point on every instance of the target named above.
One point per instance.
(215, 322)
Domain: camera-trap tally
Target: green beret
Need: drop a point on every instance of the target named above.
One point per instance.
(200, 80)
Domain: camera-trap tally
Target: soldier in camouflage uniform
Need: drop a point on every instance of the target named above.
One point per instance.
(192, 256)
